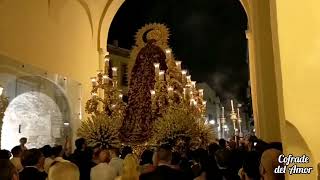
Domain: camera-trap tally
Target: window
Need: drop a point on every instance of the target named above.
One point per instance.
(124, 74)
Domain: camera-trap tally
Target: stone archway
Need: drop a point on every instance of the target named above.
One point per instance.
(33, 115)
(38, 110)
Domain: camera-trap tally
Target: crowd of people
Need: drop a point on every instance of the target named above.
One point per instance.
(247, 159)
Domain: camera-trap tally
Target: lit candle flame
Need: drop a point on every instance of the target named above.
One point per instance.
(156, 65)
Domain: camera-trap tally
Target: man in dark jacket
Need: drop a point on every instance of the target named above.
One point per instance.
(164, 170)
(32, 161)
(82, 158)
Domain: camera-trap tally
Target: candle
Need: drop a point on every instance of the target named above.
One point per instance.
(156, 66)
(168, 53)
(187, 91)
(238, 113)
(115, 83)
(170, 91)
(178, 64)
(94, 95)
(193, 83)
(189, 79)
(105, 79)
(222, 111)
(191, 94)
(106, 64)
(156, 70)
(94, 81)
(114, 71)
(161, 75)
(153, 93)
(201, 93)
(184, 73)
(232, 106)
(192, 102)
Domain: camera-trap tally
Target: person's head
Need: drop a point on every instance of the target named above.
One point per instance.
(222, 143)
(269, 161)
(16, 151)
(114, 152)
(223, 158)
(131, 168)
(32, 157)
(251, 164)
(252, 141)
(57, 151)
(213, 148)
(81, 144)
(46, 151)
(276, 145)
(176, 158)
(23, 141)
(95, 152)
(7, 169)
(63, 170)
(146, 157)
(125, 151)
(232, 145)
(164, 154)
(104, 155)
(5, 154)
(200, 155)
(260, 146)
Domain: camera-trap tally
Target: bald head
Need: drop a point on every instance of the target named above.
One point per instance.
(269, 161)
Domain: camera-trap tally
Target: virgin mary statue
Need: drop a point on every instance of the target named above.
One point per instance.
(150, 43)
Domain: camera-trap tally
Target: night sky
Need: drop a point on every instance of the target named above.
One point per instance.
(207, 35)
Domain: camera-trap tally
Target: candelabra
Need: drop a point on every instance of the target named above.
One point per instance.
(233, 117)
(111, 103)
(174, 87)
(223, 122)
(239, 122)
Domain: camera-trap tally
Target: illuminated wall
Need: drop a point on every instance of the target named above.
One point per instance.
(60, 36)
(296, 27)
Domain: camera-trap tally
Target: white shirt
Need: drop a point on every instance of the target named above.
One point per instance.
(17, 163)
(103, 171)
(117, 164)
